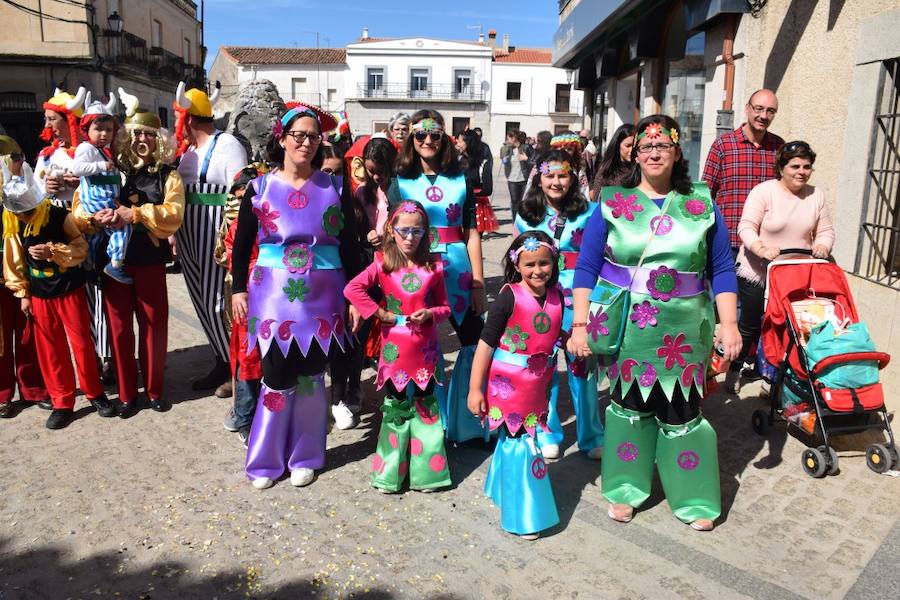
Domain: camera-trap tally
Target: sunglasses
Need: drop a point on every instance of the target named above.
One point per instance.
(794, 146)
(405, 232)
(434, 135)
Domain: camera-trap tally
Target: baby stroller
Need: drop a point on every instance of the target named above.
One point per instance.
(798, 290)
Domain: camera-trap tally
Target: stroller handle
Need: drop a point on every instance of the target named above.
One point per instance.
(829, 361)
(803, 251)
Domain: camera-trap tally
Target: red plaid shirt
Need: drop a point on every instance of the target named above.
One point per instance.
(734, 166)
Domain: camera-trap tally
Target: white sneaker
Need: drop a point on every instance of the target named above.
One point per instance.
(550, 451)
(343, 416)
(733, 382)
(230, 422)
(302, 477)
(595, 453)
(262, 483)
(530, 536)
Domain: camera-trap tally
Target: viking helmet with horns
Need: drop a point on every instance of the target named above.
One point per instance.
(192, 102)
(68, 106)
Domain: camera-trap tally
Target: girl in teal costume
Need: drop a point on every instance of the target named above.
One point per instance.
(672, 228)
(428, 171)
(555, 206)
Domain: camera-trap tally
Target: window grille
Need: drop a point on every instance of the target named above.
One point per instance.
(878, 250)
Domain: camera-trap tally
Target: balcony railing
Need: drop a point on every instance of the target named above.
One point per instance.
(125, 49)
(404, 91)
(165, 64)
(566, 106)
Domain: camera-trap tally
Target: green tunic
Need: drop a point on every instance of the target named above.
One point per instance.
(669, 323)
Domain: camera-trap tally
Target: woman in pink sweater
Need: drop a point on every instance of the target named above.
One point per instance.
(785, 212)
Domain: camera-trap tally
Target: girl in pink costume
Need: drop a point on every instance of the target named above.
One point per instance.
(517, 353)
(411, 439)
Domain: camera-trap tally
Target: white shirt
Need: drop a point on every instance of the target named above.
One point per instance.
(227, 159)
(89, 160)
(45, 165)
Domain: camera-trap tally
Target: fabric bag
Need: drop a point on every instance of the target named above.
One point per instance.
(824, 341)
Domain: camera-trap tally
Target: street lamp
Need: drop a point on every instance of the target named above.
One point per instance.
(569, 74)
(115, 22)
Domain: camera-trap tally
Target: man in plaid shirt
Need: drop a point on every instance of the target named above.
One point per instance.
(743, 158)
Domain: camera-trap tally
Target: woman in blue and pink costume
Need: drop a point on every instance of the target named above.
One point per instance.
(514, 365)
(303, 221)
(428, 172)
(555, 206)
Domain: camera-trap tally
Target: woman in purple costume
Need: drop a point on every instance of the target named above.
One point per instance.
(303, 221)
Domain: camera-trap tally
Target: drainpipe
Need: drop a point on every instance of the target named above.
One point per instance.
(725, 116)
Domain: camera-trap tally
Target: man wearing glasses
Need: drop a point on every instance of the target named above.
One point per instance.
(743, 158)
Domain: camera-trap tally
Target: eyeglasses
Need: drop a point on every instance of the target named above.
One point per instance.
(794, 146)
(405, 232)
(434, 135)
(329, 171)
(663, 147)
(17, 157)
(144, 133)
(763, 109)
(302, 136)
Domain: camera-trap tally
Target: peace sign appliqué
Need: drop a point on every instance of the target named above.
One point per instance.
(688, 460)
(410, 282)
(297, 199)
(434, 193)
(541, 322)
(538, 468)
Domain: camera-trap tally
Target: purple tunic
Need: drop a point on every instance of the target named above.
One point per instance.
(295, 287)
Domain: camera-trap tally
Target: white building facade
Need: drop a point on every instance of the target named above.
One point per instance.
(472, 84)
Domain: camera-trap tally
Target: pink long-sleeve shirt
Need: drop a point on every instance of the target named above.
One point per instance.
(357, 293)
(781, 219)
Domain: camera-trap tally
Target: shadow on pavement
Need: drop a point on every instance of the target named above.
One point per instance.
(45, 572)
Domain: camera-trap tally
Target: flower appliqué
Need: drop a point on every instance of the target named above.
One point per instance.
(390, 353)
(423, 375)
(663, 283)
(273, 401)
(644, 314)
(501, 386)
(333, 220)
(514, 339)
(393, 304)
(454, 212)
(267, 217)
(577, 238)
(305, 385)
(624, 207)
(697, 209)
(538, 363)
(672, 350)
(595, 327)
(295, 290)
(401, 378)
(297, 258)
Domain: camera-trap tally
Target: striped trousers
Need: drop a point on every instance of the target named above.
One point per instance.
(205, 279)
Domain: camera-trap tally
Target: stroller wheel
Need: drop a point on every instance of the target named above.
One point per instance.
(761, 421)
(895, 457)
(832, 458)
(878, 458)
(814, 462)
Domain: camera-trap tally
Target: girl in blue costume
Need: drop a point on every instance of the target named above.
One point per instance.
(555, 206)
(514, 365)
(428, 171)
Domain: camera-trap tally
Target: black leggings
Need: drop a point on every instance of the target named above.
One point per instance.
(752, 297)
(679, 411)
(469, 330)
(281, 372)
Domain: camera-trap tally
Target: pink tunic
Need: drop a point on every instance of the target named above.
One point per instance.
(523, 365)
(409, 353)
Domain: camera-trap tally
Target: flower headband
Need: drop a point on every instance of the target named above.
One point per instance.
(297, 110)
(547, 168)
(427, 124)
(531, 244)
(654, 130)
(409, 207)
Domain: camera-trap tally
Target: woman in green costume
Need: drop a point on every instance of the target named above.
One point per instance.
(663, 238)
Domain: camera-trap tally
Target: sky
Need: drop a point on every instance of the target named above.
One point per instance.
(294, 23)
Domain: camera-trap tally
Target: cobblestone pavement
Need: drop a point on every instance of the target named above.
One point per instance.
(158, 507)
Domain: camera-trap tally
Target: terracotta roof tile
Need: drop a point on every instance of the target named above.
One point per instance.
(524, 55)
(286, 56)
